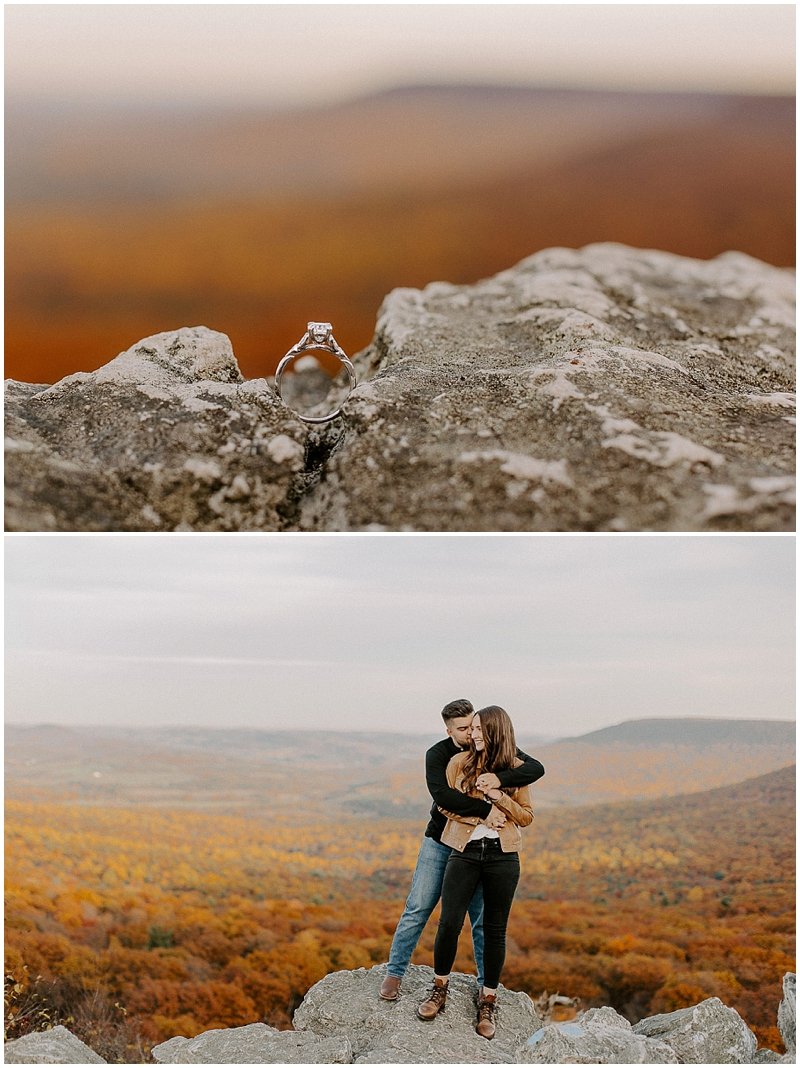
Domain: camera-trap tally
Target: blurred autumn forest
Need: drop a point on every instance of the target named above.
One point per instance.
(121, 224)
(133, 922)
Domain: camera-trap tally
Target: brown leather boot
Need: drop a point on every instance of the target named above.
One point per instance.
(431, 1008)
(390, 988)
(487, 1015)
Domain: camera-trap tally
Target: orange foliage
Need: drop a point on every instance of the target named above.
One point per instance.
(85, 280)
(186, 939)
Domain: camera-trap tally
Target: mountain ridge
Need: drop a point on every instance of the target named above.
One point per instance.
(633, 729)
(617, 727)
(231, 769)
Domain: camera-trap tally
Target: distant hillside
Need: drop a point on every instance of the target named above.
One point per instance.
(746, 803)
(714, 839)
(121, 224)
(661, 757)
(231, 770)
(358, 750)
(645, 758)
(228, 770)
(411, 138)
(695, 730)
(306, 772)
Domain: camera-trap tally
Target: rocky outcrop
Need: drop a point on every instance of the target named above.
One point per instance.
(786, 1026)
(787, 1013)
(600, 1036)
(603, 388)
(56, 1046)
(167, 436)
(708, 1033)
(342, 1020)
(347, 1004)
(254, 1044)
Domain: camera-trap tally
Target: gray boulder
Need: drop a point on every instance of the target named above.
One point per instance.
(167, 436)
(786, 1013)
(769, 1056)
(708, 1033)
(603, 388)
(598, 1036)
(55, 1046)
(342, 1020)
(347, 1004)
(254, 1044)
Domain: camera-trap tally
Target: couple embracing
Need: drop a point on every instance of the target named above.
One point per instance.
(479, 782)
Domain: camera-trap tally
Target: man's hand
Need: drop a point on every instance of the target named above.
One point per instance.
(496, 819)
(487, 782)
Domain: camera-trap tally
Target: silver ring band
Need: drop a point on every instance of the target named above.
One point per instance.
(317, 336)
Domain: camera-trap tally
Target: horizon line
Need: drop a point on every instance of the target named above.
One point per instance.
(44, 99)
(377, 730)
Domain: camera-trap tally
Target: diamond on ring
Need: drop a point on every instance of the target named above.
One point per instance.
(320, 331)
(317, 336)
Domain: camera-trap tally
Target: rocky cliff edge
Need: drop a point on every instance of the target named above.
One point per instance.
(342, 1020)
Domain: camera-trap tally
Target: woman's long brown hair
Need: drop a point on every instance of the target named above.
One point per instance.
(500, 747)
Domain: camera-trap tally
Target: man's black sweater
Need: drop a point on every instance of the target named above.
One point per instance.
(436, 760)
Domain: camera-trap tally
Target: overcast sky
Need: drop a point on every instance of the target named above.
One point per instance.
(279, 54)
(378, 632)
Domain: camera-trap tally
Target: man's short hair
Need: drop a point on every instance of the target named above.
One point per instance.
(456, 709)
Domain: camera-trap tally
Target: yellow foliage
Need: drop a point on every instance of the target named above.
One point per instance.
(608, 909)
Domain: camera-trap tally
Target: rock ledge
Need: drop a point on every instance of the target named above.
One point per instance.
(603, 388)
(342, 1020)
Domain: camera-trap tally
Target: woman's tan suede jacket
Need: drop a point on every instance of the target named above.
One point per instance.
(517, 807)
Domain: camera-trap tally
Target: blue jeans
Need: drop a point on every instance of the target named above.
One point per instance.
(426, 889)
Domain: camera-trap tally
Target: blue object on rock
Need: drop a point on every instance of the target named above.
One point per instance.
(572, 1029)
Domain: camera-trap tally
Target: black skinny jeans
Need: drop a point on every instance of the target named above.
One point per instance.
(481, 862)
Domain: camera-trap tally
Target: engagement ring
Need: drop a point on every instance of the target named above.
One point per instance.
(317, 336)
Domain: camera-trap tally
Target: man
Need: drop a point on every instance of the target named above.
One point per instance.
(426, 884)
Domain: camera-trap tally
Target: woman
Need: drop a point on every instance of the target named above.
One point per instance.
(480, 855)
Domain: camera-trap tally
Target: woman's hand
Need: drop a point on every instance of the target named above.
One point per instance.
(496, 819)
(487, 781)
(493, 795)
